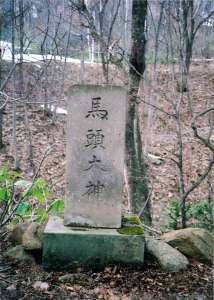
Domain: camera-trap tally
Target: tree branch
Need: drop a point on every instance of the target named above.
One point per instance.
(203, 21)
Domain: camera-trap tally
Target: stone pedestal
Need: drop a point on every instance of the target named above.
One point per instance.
(66, 247)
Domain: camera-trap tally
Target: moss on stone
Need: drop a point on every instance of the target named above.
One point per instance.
(131, 225)
(135, 230)
(131, 219)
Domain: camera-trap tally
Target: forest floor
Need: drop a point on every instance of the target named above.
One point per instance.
(28, 280)
(111, 283)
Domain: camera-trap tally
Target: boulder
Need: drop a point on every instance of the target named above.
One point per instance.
(196, 243)
(169, 259)
(32, 237)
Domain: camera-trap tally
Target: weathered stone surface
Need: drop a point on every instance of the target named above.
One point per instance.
(169, 259)
(95, 156)
(65, 246)
(194, 242)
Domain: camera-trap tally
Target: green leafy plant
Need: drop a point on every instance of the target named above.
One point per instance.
(8, 194)
(203, 213)
(22, 199)
(199, 214)
(174, 213)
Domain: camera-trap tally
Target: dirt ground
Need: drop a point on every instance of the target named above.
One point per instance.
(17, 281)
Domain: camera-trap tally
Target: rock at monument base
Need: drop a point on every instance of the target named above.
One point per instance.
(32, 239)
(17, 232)
(19, 253)
(64, 247)
(169, 259)
(196, 243)
(27, 234)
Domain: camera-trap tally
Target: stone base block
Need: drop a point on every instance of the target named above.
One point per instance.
(65, 247)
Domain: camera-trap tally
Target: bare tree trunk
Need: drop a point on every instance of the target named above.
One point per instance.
(103, 50)
(1, 110)
(154, 97)
(45, 62)
(14, 138)
(21, 42)
(126, 26)
(82, 60)
(138, 181)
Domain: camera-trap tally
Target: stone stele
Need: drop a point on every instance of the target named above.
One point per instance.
(95, 156)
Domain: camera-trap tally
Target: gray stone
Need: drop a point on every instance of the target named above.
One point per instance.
(19, 253)
(67, 277)
(95, 156)
(39, 285)
(155, 160)
(193, 242)
(17, 232)
(65, 246)
(74, 278)
(27, 234)
(169, 259)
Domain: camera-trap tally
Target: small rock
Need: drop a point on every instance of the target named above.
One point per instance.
(32, 237)
(28, 234)
(12, 290)
(155, 160)
(39, 285)
(12, 287)
(17, 232)
(193, 242)
(169, 259)
(67, 277)
(18, 252)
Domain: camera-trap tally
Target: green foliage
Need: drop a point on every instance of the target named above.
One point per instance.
(24, 199)
(203, 212)
(39, 190)
(198, 214)
(57, 207)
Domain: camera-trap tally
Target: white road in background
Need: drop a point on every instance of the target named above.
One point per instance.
(35, 58)
(6, 54)
(59, 110)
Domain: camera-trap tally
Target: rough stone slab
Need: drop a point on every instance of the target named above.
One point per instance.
(196, 243)
(169, 259)
(95, 156)
(64, 247)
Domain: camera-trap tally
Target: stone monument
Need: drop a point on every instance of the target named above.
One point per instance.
(94, 184)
